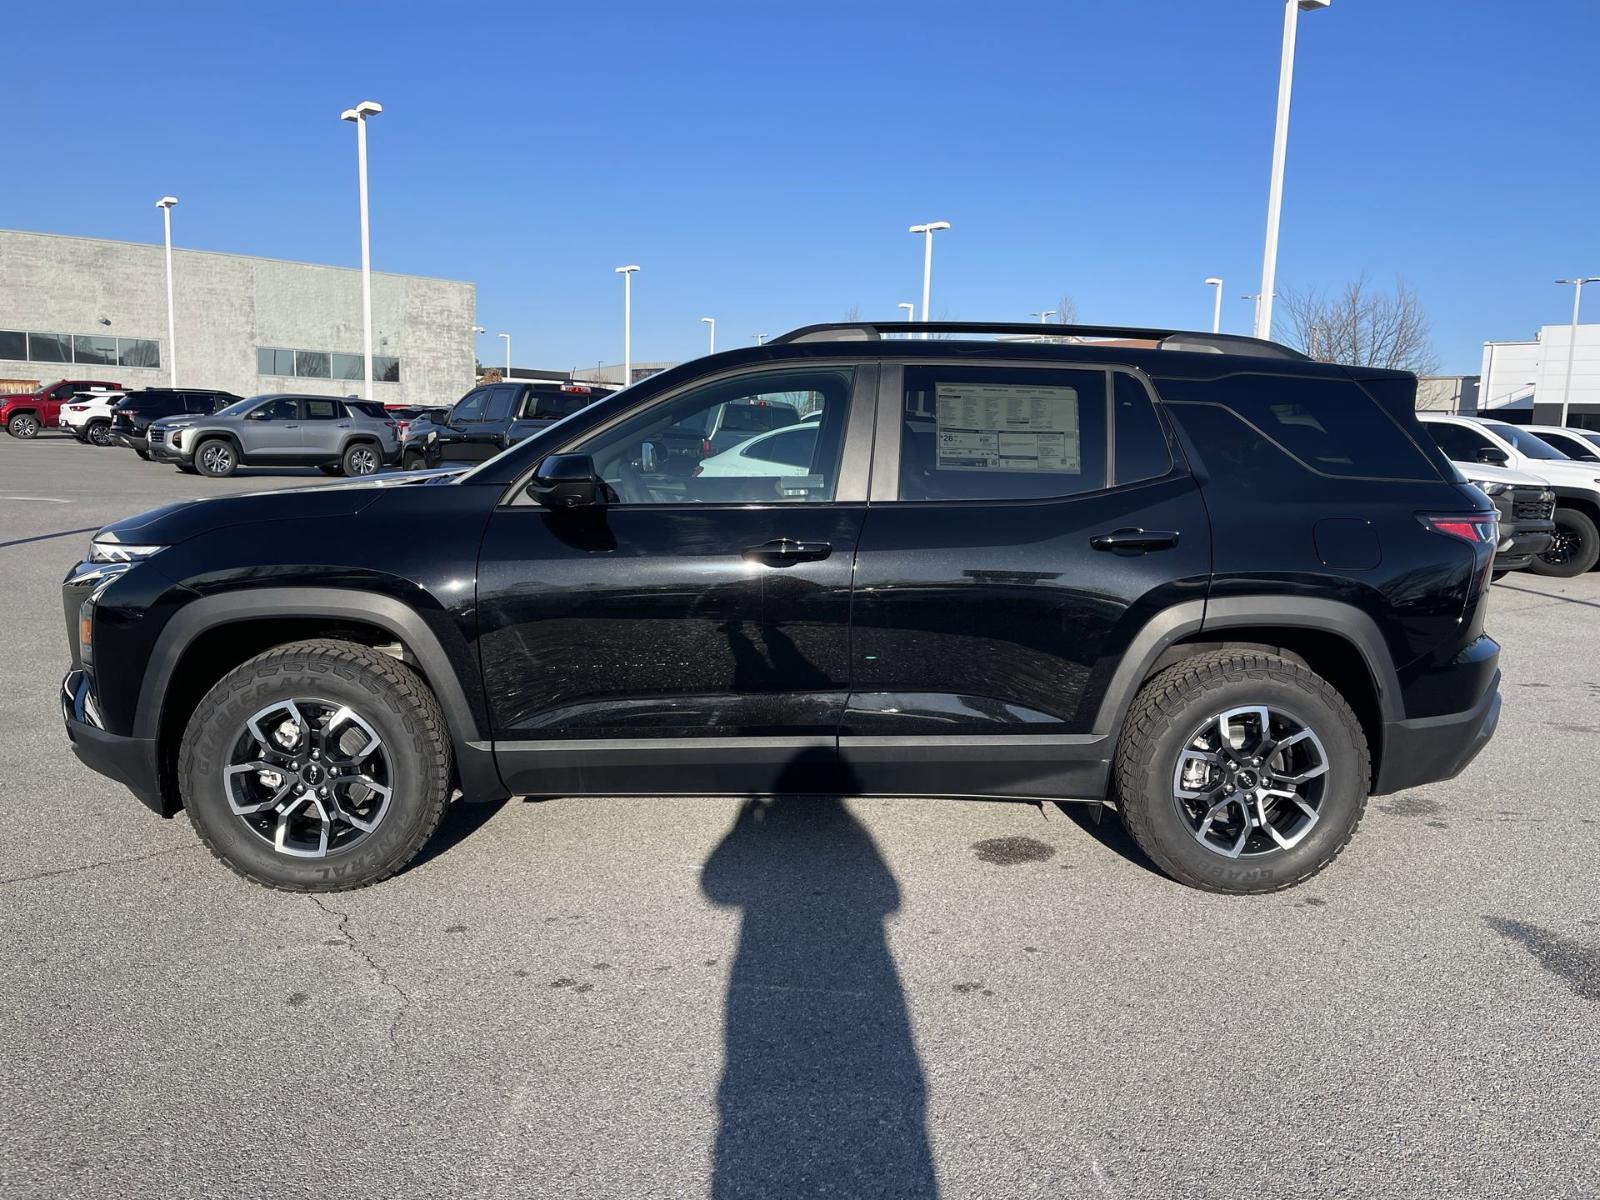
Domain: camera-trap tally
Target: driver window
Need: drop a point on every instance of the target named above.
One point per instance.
(715, 444)
(470, 406)
(281, 409)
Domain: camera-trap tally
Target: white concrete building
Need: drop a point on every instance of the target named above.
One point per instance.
(82, 307)
(1531, 375)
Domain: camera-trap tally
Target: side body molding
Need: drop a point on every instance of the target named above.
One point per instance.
(479, 777)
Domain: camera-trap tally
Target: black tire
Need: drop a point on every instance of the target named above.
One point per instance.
(361, 458)
(216, 457)
(412, 460)
(1181, 700)
(24, 426)
(186, 469)
(1576, 548)
(330, 468)
(97, 433)
(143, 454)
(400, 710)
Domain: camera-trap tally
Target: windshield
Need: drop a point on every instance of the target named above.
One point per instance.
(1525, 442)
(238, 408)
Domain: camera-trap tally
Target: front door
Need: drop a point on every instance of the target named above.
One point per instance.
(273, 431)
(1023, 528)
(692, 635)
(459, 433)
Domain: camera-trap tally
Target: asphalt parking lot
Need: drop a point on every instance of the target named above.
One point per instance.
(638, 998)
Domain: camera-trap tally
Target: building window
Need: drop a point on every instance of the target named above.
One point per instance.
(324, 364)
(90, 350)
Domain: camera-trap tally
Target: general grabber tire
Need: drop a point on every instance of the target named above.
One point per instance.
(1576, 548)
(317, 766)
(1242, 772)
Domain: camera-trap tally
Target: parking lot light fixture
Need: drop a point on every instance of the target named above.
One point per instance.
(1572, 343)
(359, 115)
(711, 323)
(1280, 146)
(627, 321)
(928, 230)
(1044, 315)
(1216, 308)
(507, 337)
(761, 339)
(165, 204)
(911, 309)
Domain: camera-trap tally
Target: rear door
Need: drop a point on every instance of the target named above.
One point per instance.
(325, 427)
(692, 635)
(1025, 523)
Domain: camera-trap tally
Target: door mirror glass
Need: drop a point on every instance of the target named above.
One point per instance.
(565, 481)
(1493, 454)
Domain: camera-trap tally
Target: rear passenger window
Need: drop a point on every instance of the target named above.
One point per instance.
(986, 433)
(498, 407)
(1141, 446)
(321, 410)
(1330, 426)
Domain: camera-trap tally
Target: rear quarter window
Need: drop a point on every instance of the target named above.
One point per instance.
(1330, 426)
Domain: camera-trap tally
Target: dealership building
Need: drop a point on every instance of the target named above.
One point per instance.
(1526, 380)
(84, 308)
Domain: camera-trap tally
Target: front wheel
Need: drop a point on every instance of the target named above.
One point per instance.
(24, 425)
(317, 766)
(1241, 772)
(1576, 547)
(215, 457)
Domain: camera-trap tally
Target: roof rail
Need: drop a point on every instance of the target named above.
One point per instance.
(1165, 339)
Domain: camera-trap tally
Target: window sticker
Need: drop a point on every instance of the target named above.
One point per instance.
(1007, 427)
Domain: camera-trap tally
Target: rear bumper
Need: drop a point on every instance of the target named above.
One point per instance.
(130, 440)
(131, 761)
(1433, 749)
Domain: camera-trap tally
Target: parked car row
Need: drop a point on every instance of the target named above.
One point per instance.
(488, 419)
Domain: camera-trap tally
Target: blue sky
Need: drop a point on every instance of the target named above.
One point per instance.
(762, 162)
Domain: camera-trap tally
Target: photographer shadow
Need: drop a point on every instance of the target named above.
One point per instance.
(822, 1093)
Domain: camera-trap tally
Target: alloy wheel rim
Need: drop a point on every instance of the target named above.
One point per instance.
(1563, 546)
(1251, 781)
(100, 435)
(309, 777)
(362, 462)
(216, 458)
(26, 426)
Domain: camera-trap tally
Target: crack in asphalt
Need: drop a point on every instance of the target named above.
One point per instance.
(382, 976)
(95, 866)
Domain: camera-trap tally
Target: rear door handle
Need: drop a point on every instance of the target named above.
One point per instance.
(783, 552)
(1135, 541)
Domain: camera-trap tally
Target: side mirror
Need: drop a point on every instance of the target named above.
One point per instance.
(567, 481)
(1494, 456)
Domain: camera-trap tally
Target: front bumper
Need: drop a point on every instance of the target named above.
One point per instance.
(163, 451)
(131, 761)
(1433, 749)
(1525, 543)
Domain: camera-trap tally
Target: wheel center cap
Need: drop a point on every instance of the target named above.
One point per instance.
(312, 774)
(1247, 780)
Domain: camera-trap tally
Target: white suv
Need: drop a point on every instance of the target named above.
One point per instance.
(1576, 484)
(88, 418)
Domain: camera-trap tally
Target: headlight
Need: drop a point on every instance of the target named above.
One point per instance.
(1494, 489)
(120, 552)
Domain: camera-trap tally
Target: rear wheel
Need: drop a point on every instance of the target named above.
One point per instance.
(24, 425)
(98, 433)
(1241, 772)
(1575, 550)
(361, 459)
(216, 457)
(413, 461)
(316, 766)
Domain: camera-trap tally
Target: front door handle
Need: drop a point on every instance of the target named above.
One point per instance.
(783, 552)
(1135, 541)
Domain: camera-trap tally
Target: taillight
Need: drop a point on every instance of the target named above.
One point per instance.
(705, 448)
(1479, 528)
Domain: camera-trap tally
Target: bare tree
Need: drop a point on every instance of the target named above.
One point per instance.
(853, 313)
(1361, 326)
(1066, 311)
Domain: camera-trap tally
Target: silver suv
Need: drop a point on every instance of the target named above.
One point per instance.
(349, 437)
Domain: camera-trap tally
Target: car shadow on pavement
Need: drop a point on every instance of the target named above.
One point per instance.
(1549, 595)
(1107, 829)
(822, 1092)
(460, 821)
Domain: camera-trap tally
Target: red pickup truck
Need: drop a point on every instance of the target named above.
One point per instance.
(25, 413)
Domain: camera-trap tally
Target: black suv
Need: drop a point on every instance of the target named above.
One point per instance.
(488, 419)
(131, 416)
(1230, 590)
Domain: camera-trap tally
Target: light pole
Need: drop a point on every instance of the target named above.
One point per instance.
(627, 322)
(1045, 315)
(1216, 308)
(359, 115)
(507, 337)
(1280, 146)
(911, 310)
(165, 205)
(761, 339)
(928, 230)
(1572, 344)
(711, 323)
